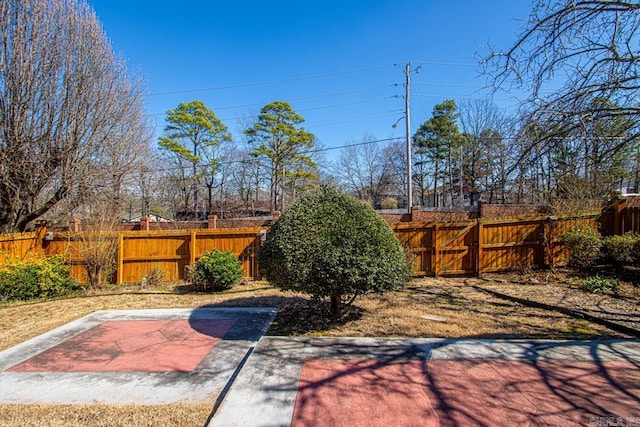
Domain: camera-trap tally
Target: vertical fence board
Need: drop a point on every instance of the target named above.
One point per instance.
(456, 248)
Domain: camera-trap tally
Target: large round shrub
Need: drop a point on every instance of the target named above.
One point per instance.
(216, 271)
(328, 244)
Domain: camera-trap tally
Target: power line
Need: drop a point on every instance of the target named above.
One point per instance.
(318, 150)
(309, 77)
(357, 144)
(481, 98)
(270, 82)
(344, 104)
(326, 95)
(448, 85)
(450, 64)
(352, 119)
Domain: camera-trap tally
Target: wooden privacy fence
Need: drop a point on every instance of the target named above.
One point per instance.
(169, 251)
(20, 246)
(441, 248)
(483, 246)
(626, 217)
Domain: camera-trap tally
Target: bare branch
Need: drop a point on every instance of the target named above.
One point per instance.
(65, 101)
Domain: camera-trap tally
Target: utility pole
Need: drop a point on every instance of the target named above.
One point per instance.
(195, 182)
(407, 115)
(461, 196)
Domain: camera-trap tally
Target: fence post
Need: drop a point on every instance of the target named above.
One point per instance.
(192, 248)
(415, 210)
(436, 249)
(120, 268)
(39, 243)
(618, 225)
(549, 240)
(479, 263)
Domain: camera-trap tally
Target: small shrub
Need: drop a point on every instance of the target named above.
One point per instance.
(43, 277)
(19, 282)
(216, 271)
(623, 250)
(526, 268)
(585, 245)
(54, 277)
(599, 284)
(99, 253)
(154, 279)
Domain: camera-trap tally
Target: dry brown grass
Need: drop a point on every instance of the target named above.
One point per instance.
(469, 312)
(103, 415)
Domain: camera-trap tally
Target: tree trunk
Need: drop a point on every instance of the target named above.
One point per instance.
(435, 185)
(274, 176)
(195, 191)
(335, 305)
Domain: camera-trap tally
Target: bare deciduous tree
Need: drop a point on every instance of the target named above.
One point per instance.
(65, 99)
(485, 152)
(247, 179)
(395, 155)
(364, 171)
(96, 243)
(587, 48)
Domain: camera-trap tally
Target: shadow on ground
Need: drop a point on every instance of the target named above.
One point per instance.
(632, 331)
(296, 315)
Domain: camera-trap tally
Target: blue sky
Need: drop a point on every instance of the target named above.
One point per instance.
(332, 60)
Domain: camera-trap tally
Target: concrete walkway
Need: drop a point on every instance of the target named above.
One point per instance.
(434, 382)
(220, 356)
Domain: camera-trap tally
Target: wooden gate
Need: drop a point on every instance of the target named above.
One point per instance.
(456, 248)
(510, 244)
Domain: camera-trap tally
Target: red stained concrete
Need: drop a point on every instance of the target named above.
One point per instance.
(458, 392)
(133, 346)
(361, 392)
